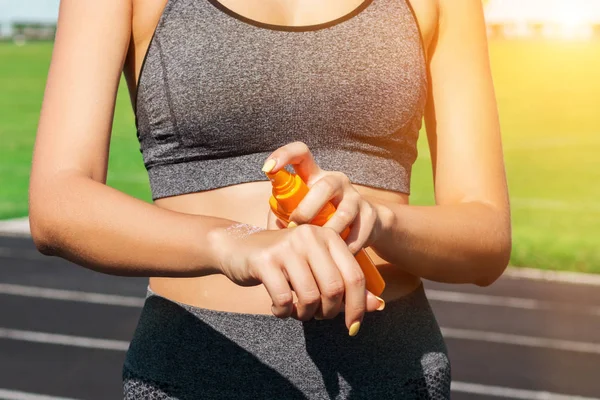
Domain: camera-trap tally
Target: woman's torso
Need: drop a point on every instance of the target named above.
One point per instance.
(232, 202)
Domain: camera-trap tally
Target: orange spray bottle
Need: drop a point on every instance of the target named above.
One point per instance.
(288, 190)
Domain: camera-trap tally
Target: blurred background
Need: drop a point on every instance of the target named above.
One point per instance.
(535, 334)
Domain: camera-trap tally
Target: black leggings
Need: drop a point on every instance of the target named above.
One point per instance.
(184, 352)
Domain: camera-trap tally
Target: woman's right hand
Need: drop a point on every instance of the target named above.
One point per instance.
(311, 260)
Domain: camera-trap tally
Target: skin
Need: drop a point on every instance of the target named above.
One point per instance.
(185, 243)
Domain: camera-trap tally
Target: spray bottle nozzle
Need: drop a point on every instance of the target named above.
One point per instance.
(281, 179)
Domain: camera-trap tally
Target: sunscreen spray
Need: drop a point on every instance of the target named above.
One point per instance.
(288, 190)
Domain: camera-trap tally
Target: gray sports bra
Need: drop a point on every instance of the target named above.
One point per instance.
(219, 92)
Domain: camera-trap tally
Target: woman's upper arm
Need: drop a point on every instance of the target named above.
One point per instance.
(461, 115)
(75, 123)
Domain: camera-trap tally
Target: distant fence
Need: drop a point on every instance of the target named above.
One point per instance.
(31, 31)
(517, 30)
(28, 31)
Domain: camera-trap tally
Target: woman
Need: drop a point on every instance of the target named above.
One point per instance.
(240, 305)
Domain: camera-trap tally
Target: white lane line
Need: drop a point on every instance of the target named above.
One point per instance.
(449, 333)
(515, 272)
(65, 340)
(432, 294)
(18, 227)
(512, 302)
(519, 340)
(509, 393)
(71, 295)
(458, 387)
(6, 394)
(577, 278)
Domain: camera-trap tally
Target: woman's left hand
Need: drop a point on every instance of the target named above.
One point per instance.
(352, 209)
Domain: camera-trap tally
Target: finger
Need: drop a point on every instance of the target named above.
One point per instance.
(345, 215)
(355, 296)
(303, 283)
(317, 197)
(326, 274)
(279, 290)
(274, 222)
(271, 220)
(319, 314)
(294, 313)
(299, 155)
(362, 228)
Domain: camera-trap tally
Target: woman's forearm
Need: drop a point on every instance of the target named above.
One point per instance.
(100, 228)
(459, 243)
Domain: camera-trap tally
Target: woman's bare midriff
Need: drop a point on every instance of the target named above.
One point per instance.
(217, 292)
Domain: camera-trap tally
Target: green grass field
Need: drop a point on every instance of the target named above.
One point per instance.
(549, 98)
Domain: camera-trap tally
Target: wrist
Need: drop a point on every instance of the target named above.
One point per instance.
(219, 245)
(386, 220)
(224, 242)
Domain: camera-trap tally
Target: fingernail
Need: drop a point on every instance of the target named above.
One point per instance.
(292, 224)
(382, 305)
(354, 328)
(269, 165)
(318, 318)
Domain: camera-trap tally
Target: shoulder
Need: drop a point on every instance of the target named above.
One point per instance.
(427, 14)
(457, 19)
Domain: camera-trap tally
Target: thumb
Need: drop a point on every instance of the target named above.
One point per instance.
(273, 222)
(374, 303)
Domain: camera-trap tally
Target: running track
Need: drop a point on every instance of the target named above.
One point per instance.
(64, 331)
